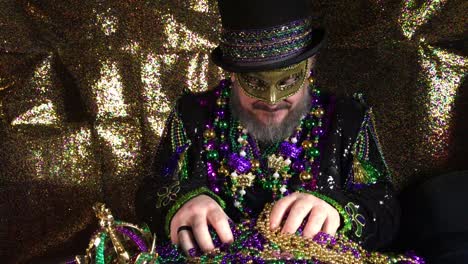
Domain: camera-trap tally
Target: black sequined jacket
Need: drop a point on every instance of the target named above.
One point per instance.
(353, 171)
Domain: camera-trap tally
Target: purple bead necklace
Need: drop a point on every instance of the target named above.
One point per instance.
(234, 161)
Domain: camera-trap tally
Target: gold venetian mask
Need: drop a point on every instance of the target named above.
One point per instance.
(275, 85)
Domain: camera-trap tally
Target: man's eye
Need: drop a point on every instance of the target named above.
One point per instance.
(288, 82)
(255, 83)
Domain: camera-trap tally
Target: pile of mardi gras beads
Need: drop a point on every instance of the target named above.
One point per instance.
(254, 242)
(117, 242)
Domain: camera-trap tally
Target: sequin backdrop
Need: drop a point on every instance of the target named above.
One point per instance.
(86, 85)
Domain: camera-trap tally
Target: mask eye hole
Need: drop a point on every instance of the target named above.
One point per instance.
(253, 82)
(289, 81)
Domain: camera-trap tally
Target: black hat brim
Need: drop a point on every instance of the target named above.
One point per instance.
(318, 41)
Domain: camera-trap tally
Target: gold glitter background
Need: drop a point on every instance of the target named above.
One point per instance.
(85, 87)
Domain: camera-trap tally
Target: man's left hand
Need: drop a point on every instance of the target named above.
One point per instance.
(321, 215)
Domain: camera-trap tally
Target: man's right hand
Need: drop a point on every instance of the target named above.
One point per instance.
(198, 213)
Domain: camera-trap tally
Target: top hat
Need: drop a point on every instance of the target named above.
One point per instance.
(260, 35)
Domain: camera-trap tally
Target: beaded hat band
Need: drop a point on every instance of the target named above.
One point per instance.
(263, 35)
(266, 45)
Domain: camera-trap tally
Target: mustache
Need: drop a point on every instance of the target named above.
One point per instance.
(265, 107)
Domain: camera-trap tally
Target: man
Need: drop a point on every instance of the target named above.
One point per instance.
(266, 135)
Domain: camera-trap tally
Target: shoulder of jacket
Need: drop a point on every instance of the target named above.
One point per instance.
(352, 107)
(195, 108)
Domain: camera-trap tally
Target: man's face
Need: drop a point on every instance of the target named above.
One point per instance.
(271, 95)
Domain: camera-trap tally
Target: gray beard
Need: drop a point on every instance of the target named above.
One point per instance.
(271, 132)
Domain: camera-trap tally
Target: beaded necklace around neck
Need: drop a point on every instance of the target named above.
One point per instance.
(234, 162)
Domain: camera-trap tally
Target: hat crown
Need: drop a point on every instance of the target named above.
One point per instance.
(258, 14)
(260, 35)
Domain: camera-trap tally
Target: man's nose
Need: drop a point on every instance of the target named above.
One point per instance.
(272, 100)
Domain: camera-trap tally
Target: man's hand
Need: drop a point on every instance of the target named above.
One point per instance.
(197, 214)
(322, 216)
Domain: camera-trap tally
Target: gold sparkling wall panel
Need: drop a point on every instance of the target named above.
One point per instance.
(85, 87)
